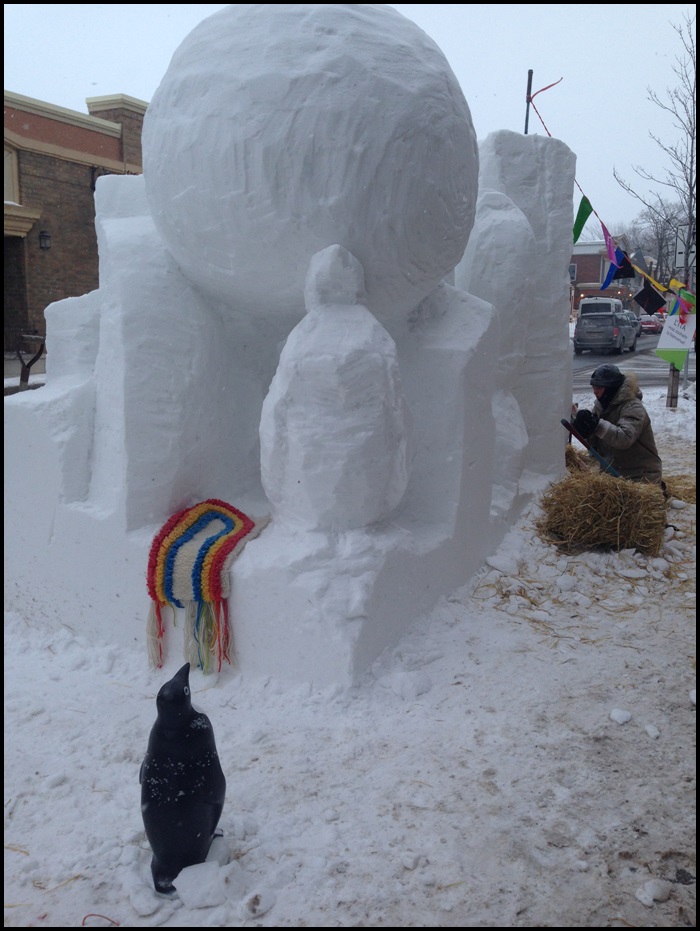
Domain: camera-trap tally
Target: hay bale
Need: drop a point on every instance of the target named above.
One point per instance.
(596, 511)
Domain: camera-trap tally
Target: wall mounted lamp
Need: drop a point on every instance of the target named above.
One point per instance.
(44, 240)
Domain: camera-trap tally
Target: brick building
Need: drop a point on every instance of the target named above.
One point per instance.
(53, 158)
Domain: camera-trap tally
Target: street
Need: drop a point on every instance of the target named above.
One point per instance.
(651, 371)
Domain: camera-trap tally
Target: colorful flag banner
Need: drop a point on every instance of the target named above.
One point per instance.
(624, 269)
(649, 298)
(638, 257)
(683, 305)
(584, 211)
(687, 300)
(612, 269)
(609, 244)
(655, 283)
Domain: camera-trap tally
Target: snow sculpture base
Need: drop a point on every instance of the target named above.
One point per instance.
(321, 609)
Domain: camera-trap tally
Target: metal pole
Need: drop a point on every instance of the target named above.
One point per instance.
(527, 98)
(672, 392)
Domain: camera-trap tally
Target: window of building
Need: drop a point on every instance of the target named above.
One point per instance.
(11, 176)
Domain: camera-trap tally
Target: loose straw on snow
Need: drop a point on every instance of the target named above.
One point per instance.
(681, 487)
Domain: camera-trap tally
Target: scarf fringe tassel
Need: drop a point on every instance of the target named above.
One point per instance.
(207, 635)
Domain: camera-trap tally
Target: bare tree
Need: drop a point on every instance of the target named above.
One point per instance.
(677, 213)
(654, 232)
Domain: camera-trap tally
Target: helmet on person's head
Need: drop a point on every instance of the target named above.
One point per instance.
(607, 376)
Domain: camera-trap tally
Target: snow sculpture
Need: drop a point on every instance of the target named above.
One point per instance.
(516, 257)
(335, 425)
(231, 350)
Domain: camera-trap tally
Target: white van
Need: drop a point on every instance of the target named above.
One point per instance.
(599, 305)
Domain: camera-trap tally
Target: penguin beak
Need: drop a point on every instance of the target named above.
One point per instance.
(182, 676)
(175, 688)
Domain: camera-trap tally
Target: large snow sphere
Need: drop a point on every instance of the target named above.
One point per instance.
(280, 129)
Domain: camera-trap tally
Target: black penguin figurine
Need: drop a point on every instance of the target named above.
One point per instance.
(182, 784)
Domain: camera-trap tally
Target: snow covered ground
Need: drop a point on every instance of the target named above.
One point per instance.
(524, 758)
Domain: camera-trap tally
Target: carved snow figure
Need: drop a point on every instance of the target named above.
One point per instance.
(182, 784)
(335, 425)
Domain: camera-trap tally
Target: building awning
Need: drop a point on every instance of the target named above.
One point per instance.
(19, 220)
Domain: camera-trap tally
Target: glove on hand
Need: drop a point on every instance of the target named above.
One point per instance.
(585, 423)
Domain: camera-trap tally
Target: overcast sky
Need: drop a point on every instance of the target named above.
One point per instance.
(607, 57)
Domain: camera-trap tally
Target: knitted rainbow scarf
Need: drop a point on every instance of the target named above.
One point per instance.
(188, 567)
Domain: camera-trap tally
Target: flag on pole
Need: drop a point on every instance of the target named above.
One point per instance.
(584, 211)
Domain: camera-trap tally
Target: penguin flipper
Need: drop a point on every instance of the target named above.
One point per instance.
(162, 880)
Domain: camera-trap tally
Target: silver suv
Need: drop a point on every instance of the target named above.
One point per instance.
(603, 326)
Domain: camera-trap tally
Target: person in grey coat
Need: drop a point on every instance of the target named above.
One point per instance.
(619, 427)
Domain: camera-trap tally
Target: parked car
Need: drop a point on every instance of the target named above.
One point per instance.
(653, 324)
(635, 320)
(604, 326)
